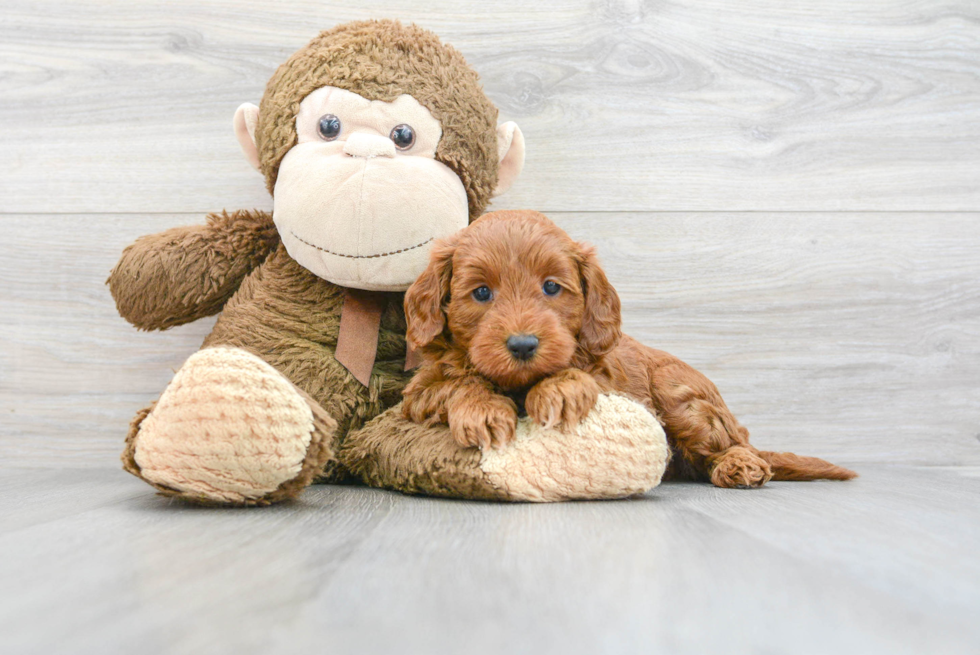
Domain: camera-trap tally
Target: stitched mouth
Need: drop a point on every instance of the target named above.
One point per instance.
(340, 254)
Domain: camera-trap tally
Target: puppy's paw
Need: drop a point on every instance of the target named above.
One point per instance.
(562, 400)
(414, 407)
(739, 467)
(483, 421)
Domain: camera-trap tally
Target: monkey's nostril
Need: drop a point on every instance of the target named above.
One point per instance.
(522, 346)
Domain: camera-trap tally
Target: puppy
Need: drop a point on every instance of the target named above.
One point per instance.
(513, 315)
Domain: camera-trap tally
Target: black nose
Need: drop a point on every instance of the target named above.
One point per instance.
(522, 346)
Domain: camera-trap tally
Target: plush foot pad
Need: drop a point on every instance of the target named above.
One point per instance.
(230, 429)
(619, 450)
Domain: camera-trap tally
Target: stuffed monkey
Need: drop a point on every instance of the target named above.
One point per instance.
(374, 140)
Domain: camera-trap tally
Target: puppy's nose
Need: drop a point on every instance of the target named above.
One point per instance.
(369, 146)
(522, 346)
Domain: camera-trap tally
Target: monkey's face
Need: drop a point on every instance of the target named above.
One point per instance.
(360, 197)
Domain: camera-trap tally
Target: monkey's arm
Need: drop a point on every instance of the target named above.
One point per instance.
(186, 273)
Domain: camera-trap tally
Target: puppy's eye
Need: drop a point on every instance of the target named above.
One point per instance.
(329, 127)
(551, 288)
(482, 294)
(404, 136)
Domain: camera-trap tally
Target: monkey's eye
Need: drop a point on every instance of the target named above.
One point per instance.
(551, 288)
(328, 127)
(404, 136)
(482, 294)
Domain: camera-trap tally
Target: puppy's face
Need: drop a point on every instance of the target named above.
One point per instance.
(516, 301)
(518, 296)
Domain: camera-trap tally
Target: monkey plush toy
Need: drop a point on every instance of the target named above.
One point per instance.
(374, 140)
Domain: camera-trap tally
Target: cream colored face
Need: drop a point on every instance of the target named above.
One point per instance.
(355, 208)
(359, 204)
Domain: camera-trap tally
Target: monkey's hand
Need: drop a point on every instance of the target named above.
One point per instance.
(563, 399)
(186, 273)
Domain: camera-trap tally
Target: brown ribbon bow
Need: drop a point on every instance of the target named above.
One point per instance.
(360, 325)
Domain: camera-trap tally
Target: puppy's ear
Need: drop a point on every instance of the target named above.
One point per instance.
(602, 321)
(424, 299)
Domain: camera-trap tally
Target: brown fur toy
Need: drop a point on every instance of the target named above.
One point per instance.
(374, 140)
(512, 314)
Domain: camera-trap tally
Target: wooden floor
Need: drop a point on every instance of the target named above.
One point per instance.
(95, 563)
(785, 194)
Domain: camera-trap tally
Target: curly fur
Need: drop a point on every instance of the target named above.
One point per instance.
(472, 382)
(381, 60)
(235, 264)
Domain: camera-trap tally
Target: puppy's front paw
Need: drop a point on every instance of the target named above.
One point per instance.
(563, 399)
(483, 421)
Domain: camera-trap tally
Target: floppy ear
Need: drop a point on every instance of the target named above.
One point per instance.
(424, 299)
(602, 322)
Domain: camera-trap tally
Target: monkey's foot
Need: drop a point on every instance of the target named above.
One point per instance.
(739, 467)
(229, 429)
(618, 450)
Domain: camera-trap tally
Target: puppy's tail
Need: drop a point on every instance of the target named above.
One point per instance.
(787, 466)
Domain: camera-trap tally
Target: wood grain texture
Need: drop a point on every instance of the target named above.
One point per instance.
(882, 564)
(839, 314)
(111, 106)
(854, 337)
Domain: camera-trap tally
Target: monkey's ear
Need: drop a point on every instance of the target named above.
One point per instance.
(424, 299)
(246, 118)
(510, 151)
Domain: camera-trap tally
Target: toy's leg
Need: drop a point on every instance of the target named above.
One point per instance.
(230, 429)
(618, 450)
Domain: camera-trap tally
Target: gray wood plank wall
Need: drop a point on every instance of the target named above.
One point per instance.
(786, 194)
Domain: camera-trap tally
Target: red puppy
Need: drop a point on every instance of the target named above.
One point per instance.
(512, 314)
